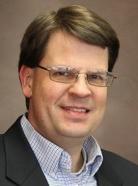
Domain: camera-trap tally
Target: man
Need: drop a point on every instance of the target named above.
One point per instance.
(65, 69)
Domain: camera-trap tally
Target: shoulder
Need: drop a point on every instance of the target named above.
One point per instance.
(1, 143)
(126, 169)
(117, 160)
(2, 156)
(14, 127)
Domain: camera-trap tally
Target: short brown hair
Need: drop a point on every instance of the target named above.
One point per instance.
(77, 21)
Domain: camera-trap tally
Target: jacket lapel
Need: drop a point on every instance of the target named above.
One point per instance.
(102, 181)
(22, 166)
(106, 175)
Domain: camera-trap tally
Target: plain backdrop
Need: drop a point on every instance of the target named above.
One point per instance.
(119, 129)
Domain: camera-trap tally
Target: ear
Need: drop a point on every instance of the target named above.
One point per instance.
(26, 79)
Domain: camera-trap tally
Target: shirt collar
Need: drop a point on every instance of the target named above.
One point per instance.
(52, 157)
(93, 153)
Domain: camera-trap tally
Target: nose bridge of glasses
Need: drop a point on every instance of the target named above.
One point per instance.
(82, 80)
(81, 76)
(80, 87)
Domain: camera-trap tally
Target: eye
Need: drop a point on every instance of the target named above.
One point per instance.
(96, 77)
(61, 72)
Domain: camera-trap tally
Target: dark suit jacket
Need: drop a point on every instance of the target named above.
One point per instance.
(19, 166)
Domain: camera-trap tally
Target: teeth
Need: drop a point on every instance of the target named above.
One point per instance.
(78, 110)
(82, 110)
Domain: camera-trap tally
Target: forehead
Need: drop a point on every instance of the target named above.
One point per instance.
(65, 49)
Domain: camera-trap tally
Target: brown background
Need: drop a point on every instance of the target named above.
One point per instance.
(119, 130)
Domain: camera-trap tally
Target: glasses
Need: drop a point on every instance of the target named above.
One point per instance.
(63, 74)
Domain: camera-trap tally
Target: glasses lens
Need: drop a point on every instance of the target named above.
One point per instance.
(63, 75)
(99, 79)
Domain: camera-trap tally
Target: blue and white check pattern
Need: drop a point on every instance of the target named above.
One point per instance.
(56, 163)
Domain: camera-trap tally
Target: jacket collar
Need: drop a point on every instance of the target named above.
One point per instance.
(26, 170)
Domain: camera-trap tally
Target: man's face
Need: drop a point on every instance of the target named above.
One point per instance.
(58, 110)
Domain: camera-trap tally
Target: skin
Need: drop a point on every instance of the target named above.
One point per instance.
(55, 108)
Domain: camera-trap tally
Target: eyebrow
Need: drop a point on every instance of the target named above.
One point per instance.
(97, 71)
(73, 68)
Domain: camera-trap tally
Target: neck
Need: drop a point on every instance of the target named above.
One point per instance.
(77, 161)
(74, 148)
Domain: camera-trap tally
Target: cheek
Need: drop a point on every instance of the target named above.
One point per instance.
(50, 93)
(101, 97)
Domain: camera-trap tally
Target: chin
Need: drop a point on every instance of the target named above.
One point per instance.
(76, 133)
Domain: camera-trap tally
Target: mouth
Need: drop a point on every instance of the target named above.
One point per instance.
(76, 113)
(76, 109)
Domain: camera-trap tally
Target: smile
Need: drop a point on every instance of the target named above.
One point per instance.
(76, 109)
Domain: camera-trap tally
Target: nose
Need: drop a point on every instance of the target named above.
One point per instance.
(80, 87)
